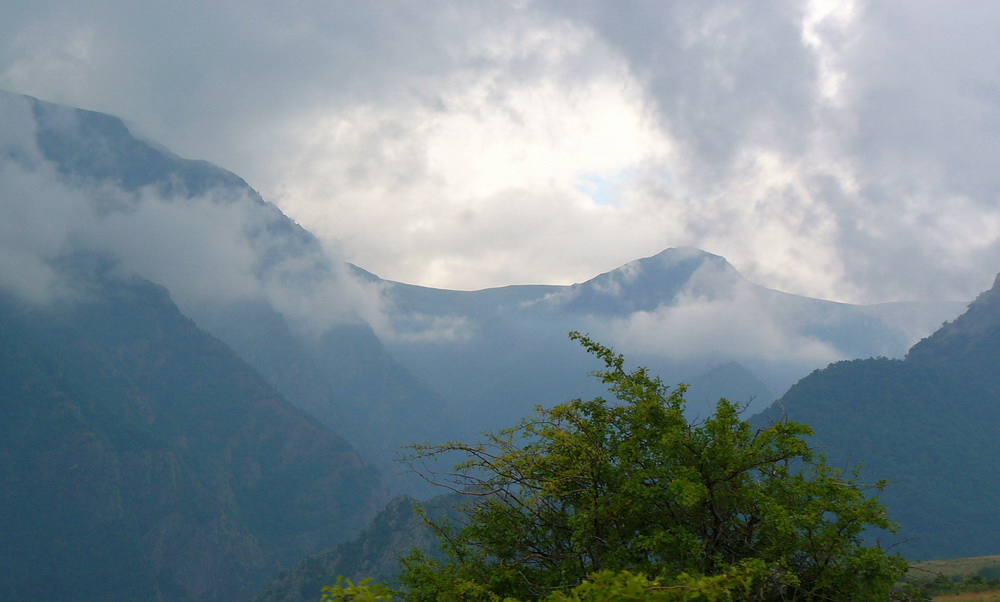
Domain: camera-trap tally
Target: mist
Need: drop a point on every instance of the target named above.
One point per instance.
(221, 246)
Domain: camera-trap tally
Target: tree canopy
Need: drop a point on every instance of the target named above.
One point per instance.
(594, 500)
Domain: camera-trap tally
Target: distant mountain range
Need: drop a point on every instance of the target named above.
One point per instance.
(928, 423)
(224, 383)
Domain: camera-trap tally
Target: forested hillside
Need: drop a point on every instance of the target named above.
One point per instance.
(928, 423)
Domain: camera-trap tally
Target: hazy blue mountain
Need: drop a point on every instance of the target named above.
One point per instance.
(384, 363)
(344, 378)
(250, 276)
(683, 312)
(929, 423)
(99, 146)
(731, 381)
(140, 459)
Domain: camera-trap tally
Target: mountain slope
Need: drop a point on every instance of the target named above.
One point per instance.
(233, 262)
(396, 531)
(342, 377)
(142, 460)
(928, 423)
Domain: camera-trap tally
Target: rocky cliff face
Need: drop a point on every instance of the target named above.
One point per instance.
(141, 459)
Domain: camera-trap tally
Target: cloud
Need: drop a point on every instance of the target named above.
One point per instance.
(218, 247)
(422, 328)
(458, 192)
(376, 126)
(723, 75)
(718, 319)
(33, 233)
(842, 150)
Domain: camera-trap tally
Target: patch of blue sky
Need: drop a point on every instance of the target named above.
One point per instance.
(601, 187)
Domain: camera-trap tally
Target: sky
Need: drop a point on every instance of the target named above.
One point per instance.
(846, 150)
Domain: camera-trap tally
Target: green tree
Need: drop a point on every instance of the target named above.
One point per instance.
(593, 500)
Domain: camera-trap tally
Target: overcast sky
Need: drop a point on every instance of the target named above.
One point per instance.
(847, 151)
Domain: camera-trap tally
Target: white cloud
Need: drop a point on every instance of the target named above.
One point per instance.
(449, 192)
(33, 232)
(222, 246)
(843, 150)
(718, 319)
(423, 328)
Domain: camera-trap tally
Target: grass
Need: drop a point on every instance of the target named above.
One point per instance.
(955, 567)
(960, 571)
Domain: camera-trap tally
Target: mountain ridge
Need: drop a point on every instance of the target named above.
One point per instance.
(285, 285)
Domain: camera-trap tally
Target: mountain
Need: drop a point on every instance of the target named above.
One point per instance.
(683, 312)
(233, 262)
(929, 423)
(731, 381)
(396, 531)
(384, 363)
(344, 378)
(141, 459)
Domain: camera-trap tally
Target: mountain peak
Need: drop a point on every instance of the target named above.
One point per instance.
(673, 264)
(647, 283)
(684, 252)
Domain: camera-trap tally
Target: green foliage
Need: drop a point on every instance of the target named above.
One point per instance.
(592, 500)
(347, 591)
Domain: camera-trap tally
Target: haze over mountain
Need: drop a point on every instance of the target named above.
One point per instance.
(684, 312)
(927, 423)
(381, 362)
(78, 181)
